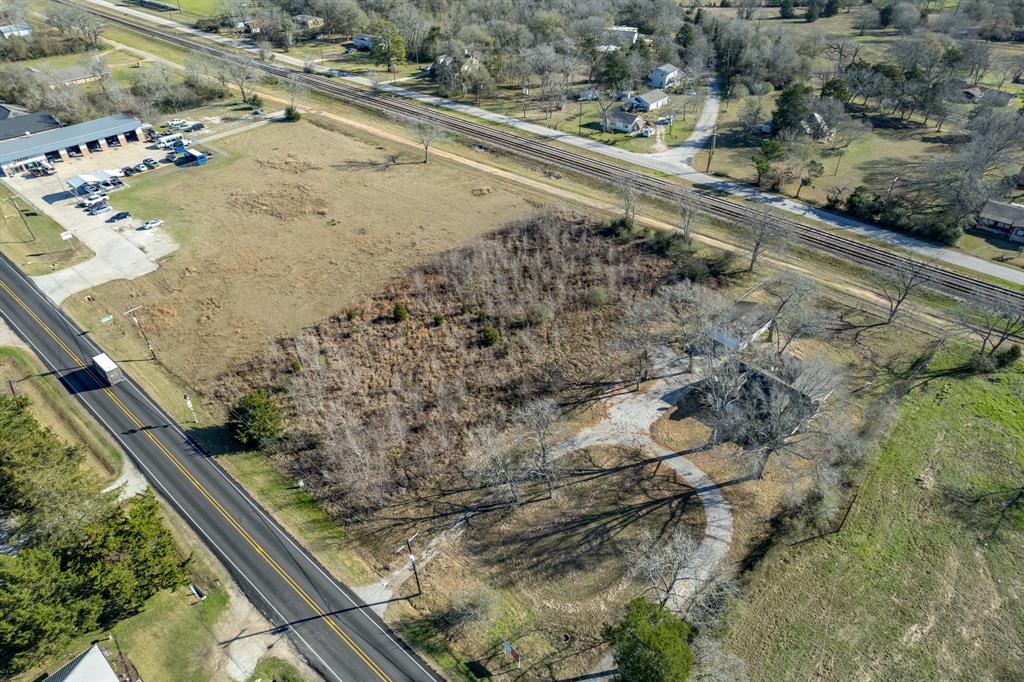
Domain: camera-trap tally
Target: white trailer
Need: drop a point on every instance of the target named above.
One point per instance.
(107, 368)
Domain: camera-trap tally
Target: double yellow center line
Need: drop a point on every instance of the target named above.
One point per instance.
(206, 494)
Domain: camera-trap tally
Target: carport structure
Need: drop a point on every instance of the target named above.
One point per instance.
(60, 144)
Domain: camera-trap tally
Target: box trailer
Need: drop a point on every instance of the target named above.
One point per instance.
(107, 368)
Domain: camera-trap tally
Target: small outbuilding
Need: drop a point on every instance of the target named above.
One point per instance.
(651, 100)
(362, 41)
(308, 22)
(89, 666)
(618, 37)
(663, 76)
(748, 321)
(19, 30)
(1003, 220)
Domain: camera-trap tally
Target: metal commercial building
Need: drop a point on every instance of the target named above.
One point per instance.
(60, 144)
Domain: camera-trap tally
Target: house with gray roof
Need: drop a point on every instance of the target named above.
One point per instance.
(1003, 220)
(89, 666)
(663, 76)
(27, 124)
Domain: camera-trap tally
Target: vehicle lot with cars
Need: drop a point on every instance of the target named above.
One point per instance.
(92, 216)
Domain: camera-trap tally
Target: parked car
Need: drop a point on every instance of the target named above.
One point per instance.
(175, 122)
(141, 167)
(91, 188)
(150, 163)
(186, 142)
(116, 182)
(120, 215)
(150, 224)
(128, 170)
(107, 184)
(195, 127)
(102, 208)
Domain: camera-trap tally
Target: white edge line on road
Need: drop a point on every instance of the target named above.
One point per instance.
(181, 510)
(362, 609)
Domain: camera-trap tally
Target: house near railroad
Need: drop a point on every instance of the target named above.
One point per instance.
(308, 22)
(992, 96)
(622, 121)
(664, 76)
(818, 128)
(89, 666)
(450, 63)
(1003, 220)
(19, 30)
(617, 38)
(651, 100)
(747, 322)
(588, 95)
(362, 41)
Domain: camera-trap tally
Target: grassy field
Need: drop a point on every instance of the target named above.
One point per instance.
(330, 214)
(32, 240)
(21, 373)
(924, 580)
(272, 669)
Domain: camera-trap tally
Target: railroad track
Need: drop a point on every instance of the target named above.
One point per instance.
(875, 258)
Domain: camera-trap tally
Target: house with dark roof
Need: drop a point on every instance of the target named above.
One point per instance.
(1002, 219)
(26, 124)
(747, 322)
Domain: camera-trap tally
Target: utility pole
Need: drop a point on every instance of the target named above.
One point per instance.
(711, 153)
(135, 321)
(892, 186)
(407, 548)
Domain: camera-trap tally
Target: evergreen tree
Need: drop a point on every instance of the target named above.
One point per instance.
(388, 46)
(791, 110)
(255, 419)
(650, 645)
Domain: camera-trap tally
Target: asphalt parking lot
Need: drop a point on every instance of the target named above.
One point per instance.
(122, 252)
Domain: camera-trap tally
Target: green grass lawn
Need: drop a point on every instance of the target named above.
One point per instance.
(272, 669)
(32, 240)
(924, 581)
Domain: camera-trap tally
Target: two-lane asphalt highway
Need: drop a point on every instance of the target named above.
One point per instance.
(339, 637)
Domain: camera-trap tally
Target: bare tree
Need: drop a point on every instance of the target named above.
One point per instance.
(662, 564)
(766, 236)
(993, 323)
(240, 71)
(296, 89)
(494, 462)
(700, 314)
(630, 197)
(685, 208)
(428, 133)
(538, 418)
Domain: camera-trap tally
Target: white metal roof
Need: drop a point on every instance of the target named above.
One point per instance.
(89, 666)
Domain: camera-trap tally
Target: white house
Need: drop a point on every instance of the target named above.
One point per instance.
(622, 121)
(663, 76)
(362, 41)
(15, 31)
(588, 95)
(649, 101)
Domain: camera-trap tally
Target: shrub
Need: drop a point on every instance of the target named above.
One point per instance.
(208, 24)
(292, 114)
(350, 314)
(597, 297)
(649, 644)
(295, 366)
(1008, 357)
(489, 336)
(400, 312)
(255, 419)
(438, 319)
(255, 101)
(980, 363)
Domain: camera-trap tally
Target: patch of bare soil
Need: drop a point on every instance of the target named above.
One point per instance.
(291, 225)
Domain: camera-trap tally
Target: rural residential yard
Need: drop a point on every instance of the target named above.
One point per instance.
(457, 340)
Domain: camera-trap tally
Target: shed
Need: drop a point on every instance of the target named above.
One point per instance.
(663, 76)
(616, 37)
(747, 322)
(649, 101)
(362, 41)
(308, 21)
(19, 30)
